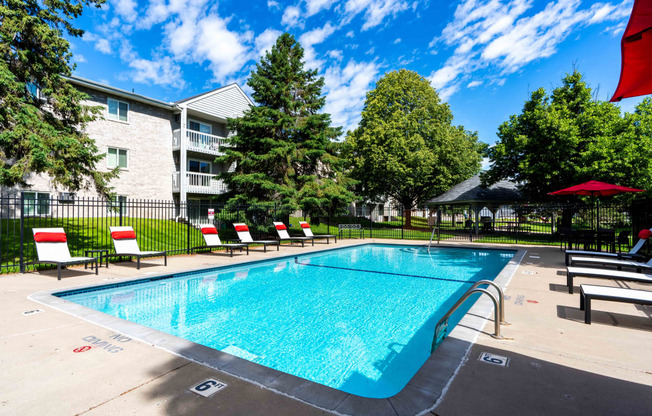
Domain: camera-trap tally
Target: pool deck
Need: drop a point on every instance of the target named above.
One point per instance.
(557, 364)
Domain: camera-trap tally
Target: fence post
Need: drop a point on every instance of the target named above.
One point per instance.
(518, 223)
(22, 232)
(188, 228)
(371, 225)
(120, 208)
(402, 222)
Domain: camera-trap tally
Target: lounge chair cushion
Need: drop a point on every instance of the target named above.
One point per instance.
(281, 227)
(305, 225)
(123, 235)
(41, 237)
(241, 228)
(209, 230)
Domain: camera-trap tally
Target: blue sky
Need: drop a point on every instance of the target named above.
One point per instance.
(483, 56)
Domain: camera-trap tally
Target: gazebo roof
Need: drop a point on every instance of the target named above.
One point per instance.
(471, 192)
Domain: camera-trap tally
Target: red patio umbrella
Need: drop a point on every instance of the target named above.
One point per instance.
(595, 188)
(636, 59)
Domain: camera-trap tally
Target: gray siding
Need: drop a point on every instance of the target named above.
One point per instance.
(226, 103)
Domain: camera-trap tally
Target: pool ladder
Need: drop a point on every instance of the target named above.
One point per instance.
(441, 330)
(434, 230)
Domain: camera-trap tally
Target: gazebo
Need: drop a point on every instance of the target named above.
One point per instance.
(471, 193)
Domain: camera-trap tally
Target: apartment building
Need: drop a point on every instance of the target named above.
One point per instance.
(165, 151)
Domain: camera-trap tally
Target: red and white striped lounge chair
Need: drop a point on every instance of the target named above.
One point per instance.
(52, 248)
(245, 237)
(283, 235)
(308, 232)
(125, 244)
(212, 240)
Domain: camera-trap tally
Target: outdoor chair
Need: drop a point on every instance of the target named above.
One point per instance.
(125, 244)
(245, 237)
(283, 235)
(622, 240)
(613, 294)
(52, 248)
(572, 272)
(308, 233)
(212, 240)
(595, 261)
(631, 254)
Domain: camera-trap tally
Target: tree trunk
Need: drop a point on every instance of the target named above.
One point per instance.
(408, 217)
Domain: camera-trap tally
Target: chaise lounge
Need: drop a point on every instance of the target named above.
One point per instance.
(245, 237)
(632, 254)
(125, 244)
(283, 235)
(572, 272)
(613, 294)
(52, 248)
(212, 240)
(308, 233)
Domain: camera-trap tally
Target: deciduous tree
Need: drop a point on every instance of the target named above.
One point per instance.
(570, 137)
(406, 147)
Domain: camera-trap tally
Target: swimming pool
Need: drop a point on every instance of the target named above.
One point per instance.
(358, 319)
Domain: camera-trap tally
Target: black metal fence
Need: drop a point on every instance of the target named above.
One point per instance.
(174, 227)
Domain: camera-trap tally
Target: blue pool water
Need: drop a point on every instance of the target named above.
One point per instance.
(358, 319)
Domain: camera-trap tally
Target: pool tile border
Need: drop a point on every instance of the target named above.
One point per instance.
(419, 396)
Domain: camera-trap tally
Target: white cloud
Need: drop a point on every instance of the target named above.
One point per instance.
(350, 34)
(272, 5)
(346, 89)
(315, 6)
(126, 9)
(291, 16)
(474, 84)
(496, 34)
(158, 72)
(375, 11)
(335, 54)
(79, 58)
(397, 41)
(225, 50)
(103, 46)
(265, 41)
(314, 37)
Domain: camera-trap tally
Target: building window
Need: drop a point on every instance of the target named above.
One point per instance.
(36, 203)
(114, 204)
(199, 166)
(117, 158)
(118, 110)
(200, 127)
(33, 90)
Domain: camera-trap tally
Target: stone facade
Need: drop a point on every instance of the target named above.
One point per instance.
(147, 136)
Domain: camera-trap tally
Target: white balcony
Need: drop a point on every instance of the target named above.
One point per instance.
(198, 183)
(199, 142)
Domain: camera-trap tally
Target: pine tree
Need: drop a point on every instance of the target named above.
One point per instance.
(43, 132)
(283, 149)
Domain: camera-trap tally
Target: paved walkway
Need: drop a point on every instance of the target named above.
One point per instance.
(557, 364)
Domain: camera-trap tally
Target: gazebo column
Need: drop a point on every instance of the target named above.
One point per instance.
(476, 209)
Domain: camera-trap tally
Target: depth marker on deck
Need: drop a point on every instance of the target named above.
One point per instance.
(208, 387)
(489, 358)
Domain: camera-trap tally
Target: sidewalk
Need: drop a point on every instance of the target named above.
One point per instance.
(558, 364)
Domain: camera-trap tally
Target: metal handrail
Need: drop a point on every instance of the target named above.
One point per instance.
(442, 325)
(501, 297)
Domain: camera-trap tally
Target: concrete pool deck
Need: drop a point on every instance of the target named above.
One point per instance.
(558, 364)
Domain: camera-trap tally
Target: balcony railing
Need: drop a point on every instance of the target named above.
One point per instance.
(200, 142)
(198, 183)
